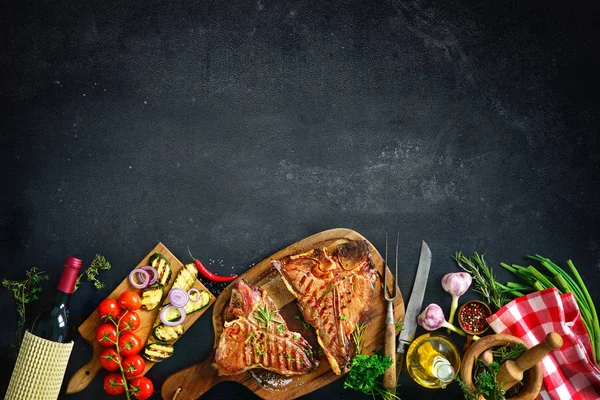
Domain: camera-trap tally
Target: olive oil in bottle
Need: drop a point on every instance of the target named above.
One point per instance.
(432, 361)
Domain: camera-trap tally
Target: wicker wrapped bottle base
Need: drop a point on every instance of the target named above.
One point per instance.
(39, 370)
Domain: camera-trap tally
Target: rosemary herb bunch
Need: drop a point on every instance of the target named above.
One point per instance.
(485, 281)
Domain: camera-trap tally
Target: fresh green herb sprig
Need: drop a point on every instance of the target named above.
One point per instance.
(358, 336)
(364, 373)
(24, 292)
(508, 352)
(484, 381)
(97, 265)
(266, 316)
(366, 369)
(564, 282)
(483, 276)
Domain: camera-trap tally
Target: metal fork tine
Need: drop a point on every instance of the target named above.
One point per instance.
(394, 291)
(396, 274)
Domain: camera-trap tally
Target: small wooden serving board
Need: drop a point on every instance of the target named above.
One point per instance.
(81, 379)
(191, 382)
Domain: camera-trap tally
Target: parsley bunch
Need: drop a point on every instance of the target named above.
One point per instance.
(364, 373)
(366, 369)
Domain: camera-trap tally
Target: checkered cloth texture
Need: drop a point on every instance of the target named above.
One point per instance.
(570, 372)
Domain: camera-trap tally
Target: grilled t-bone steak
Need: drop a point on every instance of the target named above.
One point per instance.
(256, 336)
(333, 288)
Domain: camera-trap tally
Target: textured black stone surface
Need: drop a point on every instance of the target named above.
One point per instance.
(237, 128)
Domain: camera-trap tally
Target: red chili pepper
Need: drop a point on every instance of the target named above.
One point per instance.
(209, 275)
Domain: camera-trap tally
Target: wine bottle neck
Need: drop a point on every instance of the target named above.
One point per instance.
(62, 298)
(69, 275)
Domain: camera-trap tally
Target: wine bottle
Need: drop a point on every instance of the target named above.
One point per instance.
(46, 348)
(53, 323)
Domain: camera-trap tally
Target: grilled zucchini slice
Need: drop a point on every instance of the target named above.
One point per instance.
(166, 333)
(152, 295)
(163, 268)
(158, 351)
(190, 307)
(186, 277)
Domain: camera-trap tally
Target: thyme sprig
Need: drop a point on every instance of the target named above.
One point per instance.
(24, 292)
(485, 281)
(485, 382)
(97, 265)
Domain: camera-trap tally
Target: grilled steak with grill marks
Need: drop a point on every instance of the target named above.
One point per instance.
(333, 288)
(256, 336)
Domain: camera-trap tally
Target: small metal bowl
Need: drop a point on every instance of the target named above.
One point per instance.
(463, 309)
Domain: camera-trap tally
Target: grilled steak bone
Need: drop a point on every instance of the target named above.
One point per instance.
(334, 287)
(256, 336)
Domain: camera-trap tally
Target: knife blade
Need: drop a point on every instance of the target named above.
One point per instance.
(413, 308)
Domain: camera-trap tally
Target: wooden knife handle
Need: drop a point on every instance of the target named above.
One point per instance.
(192, 382)
(389, 376)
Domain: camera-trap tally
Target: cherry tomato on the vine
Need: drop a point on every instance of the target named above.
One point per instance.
(129, 344)
(113, 383)
(141, 388)
(133, 366)
(109, 359)
(109, 307)
(129, 320)
(130, 300)
(106, 334)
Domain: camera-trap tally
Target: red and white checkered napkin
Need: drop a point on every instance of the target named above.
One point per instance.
(570, 372)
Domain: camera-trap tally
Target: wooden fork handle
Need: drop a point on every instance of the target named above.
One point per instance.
(389, 376)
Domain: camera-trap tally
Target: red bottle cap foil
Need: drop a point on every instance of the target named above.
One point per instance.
(69, 274)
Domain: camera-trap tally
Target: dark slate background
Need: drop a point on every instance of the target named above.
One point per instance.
(237, 128)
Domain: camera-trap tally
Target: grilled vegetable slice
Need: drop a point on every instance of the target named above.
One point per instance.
(152, 295)
(166, 333)
(191, 307)
(163, 268)
(186, 277)
(158, 351)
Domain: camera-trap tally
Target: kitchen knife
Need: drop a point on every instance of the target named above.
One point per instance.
(413, 309)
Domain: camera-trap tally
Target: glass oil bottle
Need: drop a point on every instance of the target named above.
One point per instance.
(433, 360)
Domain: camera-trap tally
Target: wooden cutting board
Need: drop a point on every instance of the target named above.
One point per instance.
(191, 382)
(80, 379)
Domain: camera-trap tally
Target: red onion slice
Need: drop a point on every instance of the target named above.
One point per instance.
(178, 297)
(139, 278)
(151, 269)
(163, 315)
(194, 290)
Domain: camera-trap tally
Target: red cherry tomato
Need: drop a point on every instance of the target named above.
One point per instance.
(109, 308)
(130, 300)
(133, 366)
(128, 320)
(109, 359)
(106, 334)
(130, 344)
(113, 383)
(141, 388)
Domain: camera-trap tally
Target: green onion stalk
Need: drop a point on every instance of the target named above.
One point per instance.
(564, 283)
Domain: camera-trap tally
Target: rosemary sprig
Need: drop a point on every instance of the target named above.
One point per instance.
(266, 316)
(358, 336)
(97, 265)
(485, 281)
(508, 352)
(24, 292)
